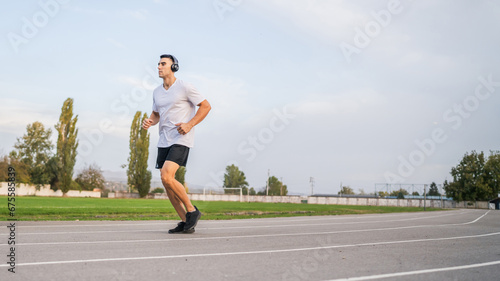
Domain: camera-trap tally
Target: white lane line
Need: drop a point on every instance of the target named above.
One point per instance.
(225, 237)
(91, 206)
(321, 218)
(237, 227)
(87, 225)
(242, 236)
(334, 223)
(478, 218)
(90, 232)
(424, 271)
(239, 236)
(254, 252)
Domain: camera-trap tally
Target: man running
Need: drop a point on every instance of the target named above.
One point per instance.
(174, 107)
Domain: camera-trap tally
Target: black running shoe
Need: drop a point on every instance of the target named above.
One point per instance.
(189, 231)
(178, 228)
(192, 219)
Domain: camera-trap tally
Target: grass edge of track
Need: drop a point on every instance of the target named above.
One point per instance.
(30, 208)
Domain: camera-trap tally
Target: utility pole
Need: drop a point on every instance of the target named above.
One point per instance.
(425, 195)
(311, 181)
(267, 182)
(281, 187)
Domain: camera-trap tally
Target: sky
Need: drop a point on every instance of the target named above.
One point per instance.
(352, 93)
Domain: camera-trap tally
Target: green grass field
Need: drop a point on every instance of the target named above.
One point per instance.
(54, 208)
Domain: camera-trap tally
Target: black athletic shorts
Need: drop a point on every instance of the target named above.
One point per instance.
(176, 153)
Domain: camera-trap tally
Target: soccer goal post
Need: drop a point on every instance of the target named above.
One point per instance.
(236, 188)
(221, 191)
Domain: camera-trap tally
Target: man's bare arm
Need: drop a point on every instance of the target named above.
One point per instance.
(151, 121)
(204, 108)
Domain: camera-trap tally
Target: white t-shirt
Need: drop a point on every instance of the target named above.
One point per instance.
(175, 105)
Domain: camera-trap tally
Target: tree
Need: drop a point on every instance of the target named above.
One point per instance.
(252, 191)
(33, 150)
(53, 171)
(138, 175)
(446, 188)
(382, 194)
(67, 144)
(180, 175)
(90, 177)
(158, 190)
(22, 175)
(346, 190)
(276, 188)
(470, 179)
(400, 193)
(4, 169)
(433, 190)
(492, 170)
(234, 178)
(415, 193)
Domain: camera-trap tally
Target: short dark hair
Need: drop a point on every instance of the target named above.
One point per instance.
(172, 58)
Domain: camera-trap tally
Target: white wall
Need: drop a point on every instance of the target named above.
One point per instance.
(30, 190)
(319, 200)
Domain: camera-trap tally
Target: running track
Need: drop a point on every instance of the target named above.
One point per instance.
(447, 245)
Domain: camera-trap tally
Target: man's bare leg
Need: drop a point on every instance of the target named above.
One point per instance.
(170, 183)
(178, 206)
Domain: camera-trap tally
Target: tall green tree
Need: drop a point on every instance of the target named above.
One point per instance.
(234, 178)
(180, 175)
(53, 170)
(33, 150)
(470, 181)
(67, 144)
(138, 175)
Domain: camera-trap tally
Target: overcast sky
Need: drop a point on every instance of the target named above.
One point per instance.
(351, 92)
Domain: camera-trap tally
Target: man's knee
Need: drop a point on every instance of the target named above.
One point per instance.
(168, 174)
(168, 181)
